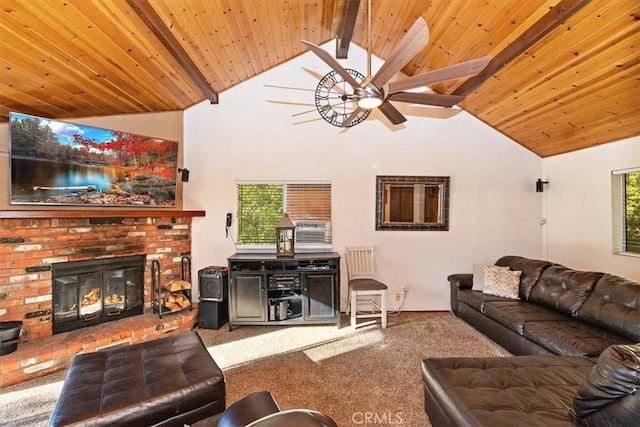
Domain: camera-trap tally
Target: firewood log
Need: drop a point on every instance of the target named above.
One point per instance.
(177, 285)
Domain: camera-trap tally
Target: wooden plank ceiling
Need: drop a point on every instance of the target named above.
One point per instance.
(577, 86)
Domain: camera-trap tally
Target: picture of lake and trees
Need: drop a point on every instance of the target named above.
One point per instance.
(54, 162)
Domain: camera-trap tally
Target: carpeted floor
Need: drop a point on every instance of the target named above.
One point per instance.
(349, 374)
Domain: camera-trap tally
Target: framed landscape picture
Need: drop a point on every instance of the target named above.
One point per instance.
(61, 163)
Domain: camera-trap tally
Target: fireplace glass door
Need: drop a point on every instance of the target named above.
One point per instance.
(91, 292)
(115, 292)
(66, 306)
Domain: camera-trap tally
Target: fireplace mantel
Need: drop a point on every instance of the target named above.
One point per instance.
(101, 213)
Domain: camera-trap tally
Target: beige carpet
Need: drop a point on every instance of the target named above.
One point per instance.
(356, 376)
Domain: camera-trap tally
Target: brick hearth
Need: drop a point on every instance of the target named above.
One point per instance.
(31, 241)
(43, 356)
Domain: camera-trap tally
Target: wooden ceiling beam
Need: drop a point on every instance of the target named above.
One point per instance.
(150, 17)
(349, 15)
(551, 20)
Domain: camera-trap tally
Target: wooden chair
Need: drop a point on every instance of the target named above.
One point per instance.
(364, 289)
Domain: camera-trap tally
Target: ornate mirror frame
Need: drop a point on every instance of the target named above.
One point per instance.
(432, 209)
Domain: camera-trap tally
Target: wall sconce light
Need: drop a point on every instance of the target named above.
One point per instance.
(185, 174)
(540, 185)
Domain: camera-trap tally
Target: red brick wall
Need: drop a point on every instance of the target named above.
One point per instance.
(28, 248)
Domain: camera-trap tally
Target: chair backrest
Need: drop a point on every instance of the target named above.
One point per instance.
(359, 262)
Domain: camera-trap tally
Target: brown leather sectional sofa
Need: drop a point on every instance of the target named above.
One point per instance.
(561, 311)
(576, 335)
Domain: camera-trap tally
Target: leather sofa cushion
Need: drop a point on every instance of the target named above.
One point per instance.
(614, 305)
(531, 271)
(497, 391)
(611, 394)
(563, 289)
(514, 314)
(476, 299)
(571, 338)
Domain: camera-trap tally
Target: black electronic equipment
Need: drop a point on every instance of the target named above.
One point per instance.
(212, 284)
(280, 281)
(212, 314)
(228, 223)
(213, 308)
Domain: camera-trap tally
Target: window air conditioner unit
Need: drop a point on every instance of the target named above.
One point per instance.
(313, 231)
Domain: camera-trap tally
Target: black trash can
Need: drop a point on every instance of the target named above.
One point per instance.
(9, 336)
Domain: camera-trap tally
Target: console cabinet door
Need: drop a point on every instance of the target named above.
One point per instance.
(320, 296)
(247, 298)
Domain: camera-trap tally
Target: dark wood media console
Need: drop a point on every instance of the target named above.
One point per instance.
(264, 289)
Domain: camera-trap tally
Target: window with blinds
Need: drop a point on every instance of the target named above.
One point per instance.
(625, 191)
(261, 205)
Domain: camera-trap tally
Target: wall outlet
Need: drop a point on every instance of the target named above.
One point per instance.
(397, 296)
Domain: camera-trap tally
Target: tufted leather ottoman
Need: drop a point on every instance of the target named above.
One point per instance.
(166, 382)
(494, 391)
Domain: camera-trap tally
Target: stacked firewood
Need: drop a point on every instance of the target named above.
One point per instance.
(177, 300)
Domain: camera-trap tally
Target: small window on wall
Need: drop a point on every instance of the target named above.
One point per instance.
(261, 205)
(625, 192)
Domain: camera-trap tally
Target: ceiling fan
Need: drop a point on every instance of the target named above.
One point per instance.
(344, 97)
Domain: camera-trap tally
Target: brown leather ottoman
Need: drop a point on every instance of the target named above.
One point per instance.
(167, 382)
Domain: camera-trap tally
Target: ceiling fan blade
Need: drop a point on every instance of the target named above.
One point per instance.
(452, 72)
(412, 43)
(392, 113)
(351, 117)
(290, 87)
(328, 59)
(427, 98)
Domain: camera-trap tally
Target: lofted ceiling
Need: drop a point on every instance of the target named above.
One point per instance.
(565, 74)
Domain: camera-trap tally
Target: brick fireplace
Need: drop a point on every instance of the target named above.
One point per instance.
(31, 242)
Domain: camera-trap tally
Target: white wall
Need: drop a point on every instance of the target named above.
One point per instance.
(167, 125)
(494, 207)
(578, 207)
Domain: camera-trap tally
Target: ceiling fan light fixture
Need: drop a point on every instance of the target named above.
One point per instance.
(369, 103)
(368, 97)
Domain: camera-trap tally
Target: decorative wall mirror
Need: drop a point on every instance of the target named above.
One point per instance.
(412, 203)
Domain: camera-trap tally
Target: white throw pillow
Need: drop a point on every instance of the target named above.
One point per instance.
(478, 277)
(501, 281)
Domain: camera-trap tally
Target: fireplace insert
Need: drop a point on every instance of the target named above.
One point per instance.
(87, 293)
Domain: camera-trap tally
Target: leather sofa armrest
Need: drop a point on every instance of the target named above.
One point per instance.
(458, 281)
(461, 281)
(611, 393)
(247, 410)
